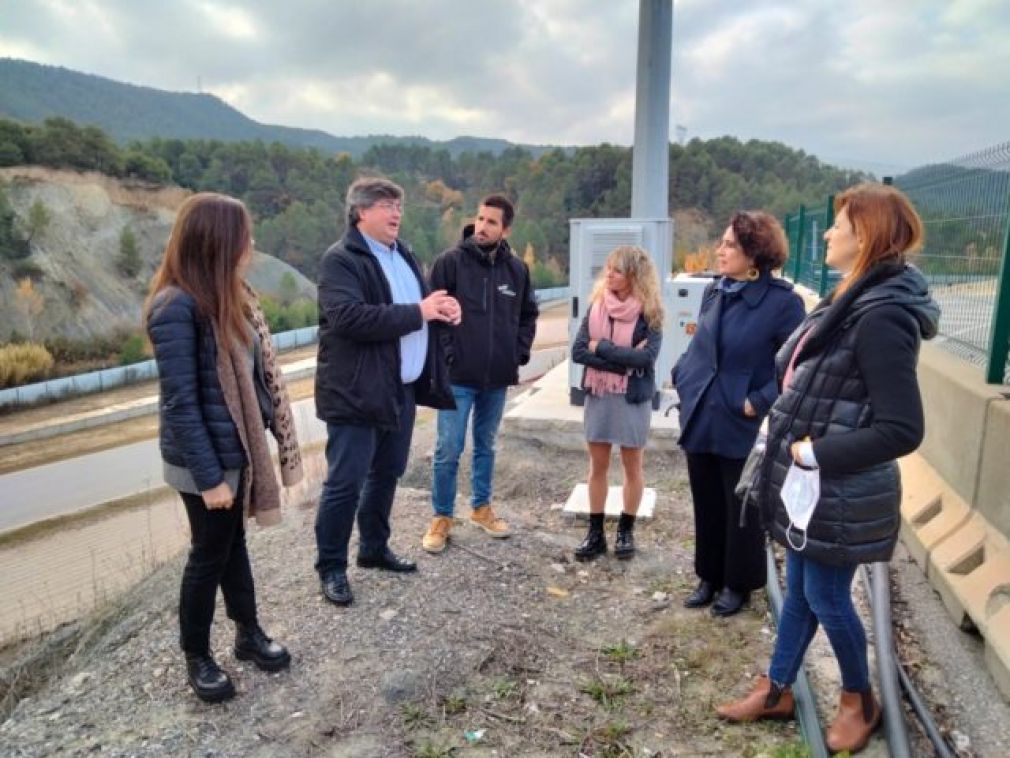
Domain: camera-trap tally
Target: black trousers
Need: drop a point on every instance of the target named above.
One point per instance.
(725, 554)
(217, 558)
(364, 465)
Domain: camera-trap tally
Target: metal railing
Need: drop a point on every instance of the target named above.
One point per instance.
(120, 376)
(965, 208)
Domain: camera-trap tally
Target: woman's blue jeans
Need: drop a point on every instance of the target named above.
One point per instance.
(487, 406)
(817, 593)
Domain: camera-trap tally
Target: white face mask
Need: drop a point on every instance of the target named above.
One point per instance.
(800, 493)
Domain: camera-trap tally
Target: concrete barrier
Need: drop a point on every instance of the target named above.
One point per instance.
(956, 401)
(930, 510)
(956, 504)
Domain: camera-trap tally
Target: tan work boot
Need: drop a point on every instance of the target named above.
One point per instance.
(765, 701)
(483, 516)
(858, 715)
(435, 539)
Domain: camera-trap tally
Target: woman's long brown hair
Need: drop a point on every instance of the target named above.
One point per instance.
(211, 235)
(886, 224)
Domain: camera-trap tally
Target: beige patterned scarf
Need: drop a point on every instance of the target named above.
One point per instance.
(260, 496)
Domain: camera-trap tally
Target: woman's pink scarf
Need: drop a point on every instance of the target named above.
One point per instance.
(611, 319)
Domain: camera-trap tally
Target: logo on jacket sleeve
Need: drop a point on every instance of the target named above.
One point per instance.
(506, 290)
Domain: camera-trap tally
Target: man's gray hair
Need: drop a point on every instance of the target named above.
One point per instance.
(366, 192)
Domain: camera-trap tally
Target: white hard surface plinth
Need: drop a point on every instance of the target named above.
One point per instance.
(578, 503)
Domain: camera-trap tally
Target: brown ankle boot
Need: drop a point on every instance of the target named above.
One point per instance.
(765, 701)
(858, 715)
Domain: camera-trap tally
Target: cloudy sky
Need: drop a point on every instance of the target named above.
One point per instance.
(883, 84)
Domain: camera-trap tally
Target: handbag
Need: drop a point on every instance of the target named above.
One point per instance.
(749, 476)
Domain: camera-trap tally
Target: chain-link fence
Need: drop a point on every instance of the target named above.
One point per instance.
(965, 206)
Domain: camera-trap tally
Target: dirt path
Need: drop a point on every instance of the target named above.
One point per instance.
(501, 648)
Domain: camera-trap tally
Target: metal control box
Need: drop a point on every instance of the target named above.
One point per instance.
(683, 304)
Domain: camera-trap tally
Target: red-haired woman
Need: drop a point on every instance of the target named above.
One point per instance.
(220, 389)
(850, 405)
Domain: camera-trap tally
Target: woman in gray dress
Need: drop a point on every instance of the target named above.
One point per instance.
(618, 343)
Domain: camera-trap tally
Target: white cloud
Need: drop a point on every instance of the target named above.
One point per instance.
(899, 82)
(230, 20)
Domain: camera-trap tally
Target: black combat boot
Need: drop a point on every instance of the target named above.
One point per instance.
(624, 545)
(209, 682)
(252, 644)
(595, 542)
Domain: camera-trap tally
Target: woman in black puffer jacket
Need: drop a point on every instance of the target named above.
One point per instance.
(850, 405)
(220, 388)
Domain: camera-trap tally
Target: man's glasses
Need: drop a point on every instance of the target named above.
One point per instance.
(390, 205)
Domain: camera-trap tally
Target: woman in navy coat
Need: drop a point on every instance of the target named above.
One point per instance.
(726, 384)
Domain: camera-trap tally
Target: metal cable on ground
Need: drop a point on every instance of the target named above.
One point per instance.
(890, 693)
(918, 705)
(806, 706)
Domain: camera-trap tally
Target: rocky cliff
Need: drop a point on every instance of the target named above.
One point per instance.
(74, 254)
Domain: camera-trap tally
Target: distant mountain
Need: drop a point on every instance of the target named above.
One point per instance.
(32, 92)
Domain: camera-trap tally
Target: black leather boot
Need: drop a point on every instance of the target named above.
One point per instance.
(729, 603)
(209, 682)
(595, 542)
(703, 595)
(624, 545)
(252, 644)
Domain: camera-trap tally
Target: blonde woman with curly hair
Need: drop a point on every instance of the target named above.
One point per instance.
(618, 343)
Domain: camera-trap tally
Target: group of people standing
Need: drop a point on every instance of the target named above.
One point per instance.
(390, 339)
(837, 389)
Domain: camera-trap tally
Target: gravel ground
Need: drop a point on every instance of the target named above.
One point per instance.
(499, 648)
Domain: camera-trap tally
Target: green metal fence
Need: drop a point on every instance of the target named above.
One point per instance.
(965, 206)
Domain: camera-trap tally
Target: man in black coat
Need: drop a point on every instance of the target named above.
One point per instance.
(484, 352)
(377, 359)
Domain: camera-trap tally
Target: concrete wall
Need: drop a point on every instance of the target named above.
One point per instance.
(958, 404)
(993, 494)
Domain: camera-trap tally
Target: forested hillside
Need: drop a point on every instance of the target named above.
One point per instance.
(296, 194)
(32, 92)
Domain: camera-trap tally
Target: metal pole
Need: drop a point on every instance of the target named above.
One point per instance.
(800, 228)
(829, 220)
(890, 693)
(999, 342)
(650, 177)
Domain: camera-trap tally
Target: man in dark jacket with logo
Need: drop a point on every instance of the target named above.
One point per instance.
(484, 351)
(377, 358)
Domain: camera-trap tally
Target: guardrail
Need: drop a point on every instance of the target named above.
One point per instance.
(553, 293)
(121, 376)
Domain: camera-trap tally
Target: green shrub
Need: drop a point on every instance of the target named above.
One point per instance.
(128, 262)
(133, 350)
(283, 318)
(100, 347)
(23, 363)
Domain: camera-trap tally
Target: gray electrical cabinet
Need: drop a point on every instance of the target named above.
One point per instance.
(591, 241)
(683, 305)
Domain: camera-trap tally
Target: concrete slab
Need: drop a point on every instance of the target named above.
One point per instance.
(956, 402)
(971, 571)
(993, 500)
(577, 506)
(930, 510)
(543, 414)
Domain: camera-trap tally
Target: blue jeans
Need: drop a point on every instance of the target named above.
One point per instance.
(819, 593)
(487, 407)
(363, 466)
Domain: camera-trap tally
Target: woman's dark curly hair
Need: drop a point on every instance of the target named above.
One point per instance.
(762, 239)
